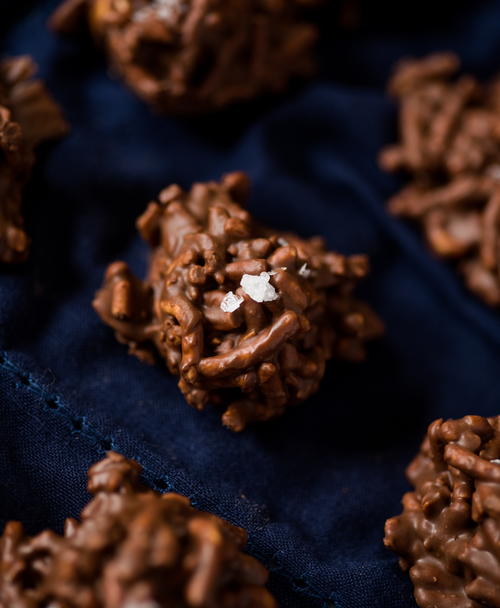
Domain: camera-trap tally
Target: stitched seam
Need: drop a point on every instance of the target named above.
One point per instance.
(54, 404)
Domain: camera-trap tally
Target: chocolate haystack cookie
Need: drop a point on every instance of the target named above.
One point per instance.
(450, 145)
(133, 548)
(28, 117)
(189, 56)
(246, 317)
(448, 535)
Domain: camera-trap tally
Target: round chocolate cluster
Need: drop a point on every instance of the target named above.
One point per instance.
(28, 116)
(448, 534)
(133, 548)
(450, 145)
(246, 317)
(186, 56)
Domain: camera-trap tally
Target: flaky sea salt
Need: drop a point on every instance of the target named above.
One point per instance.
(283, 242)
(258, 287)
(304, 271)
(231, 302)
(271, 273)
(163, 9)
(496, 461)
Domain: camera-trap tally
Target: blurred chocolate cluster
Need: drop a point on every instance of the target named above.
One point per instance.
(133, 548)
(28, 117)
(450, 146)
(448, 534)
(247, 317)
(192, 56)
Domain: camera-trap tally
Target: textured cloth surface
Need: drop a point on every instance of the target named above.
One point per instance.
(315, 487)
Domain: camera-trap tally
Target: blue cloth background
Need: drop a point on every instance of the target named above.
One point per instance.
(314, 488)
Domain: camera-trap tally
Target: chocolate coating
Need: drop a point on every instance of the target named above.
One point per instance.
(28, 117)
(189, 56)
(262, 356)
(133, 548)
(448, 535)
(450, 146)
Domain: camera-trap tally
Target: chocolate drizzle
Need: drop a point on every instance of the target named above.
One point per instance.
(269, 352)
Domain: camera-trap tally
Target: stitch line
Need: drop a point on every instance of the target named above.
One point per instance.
(80, 426)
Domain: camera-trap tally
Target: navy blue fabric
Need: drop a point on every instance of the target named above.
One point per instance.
(314, 488)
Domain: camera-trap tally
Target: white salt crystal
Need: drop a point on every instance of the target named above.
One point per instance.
(271, 273)
(304, 271)
(163, 9)
(283, 242)
(496, 461)
(258, 287)
(231, 302)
